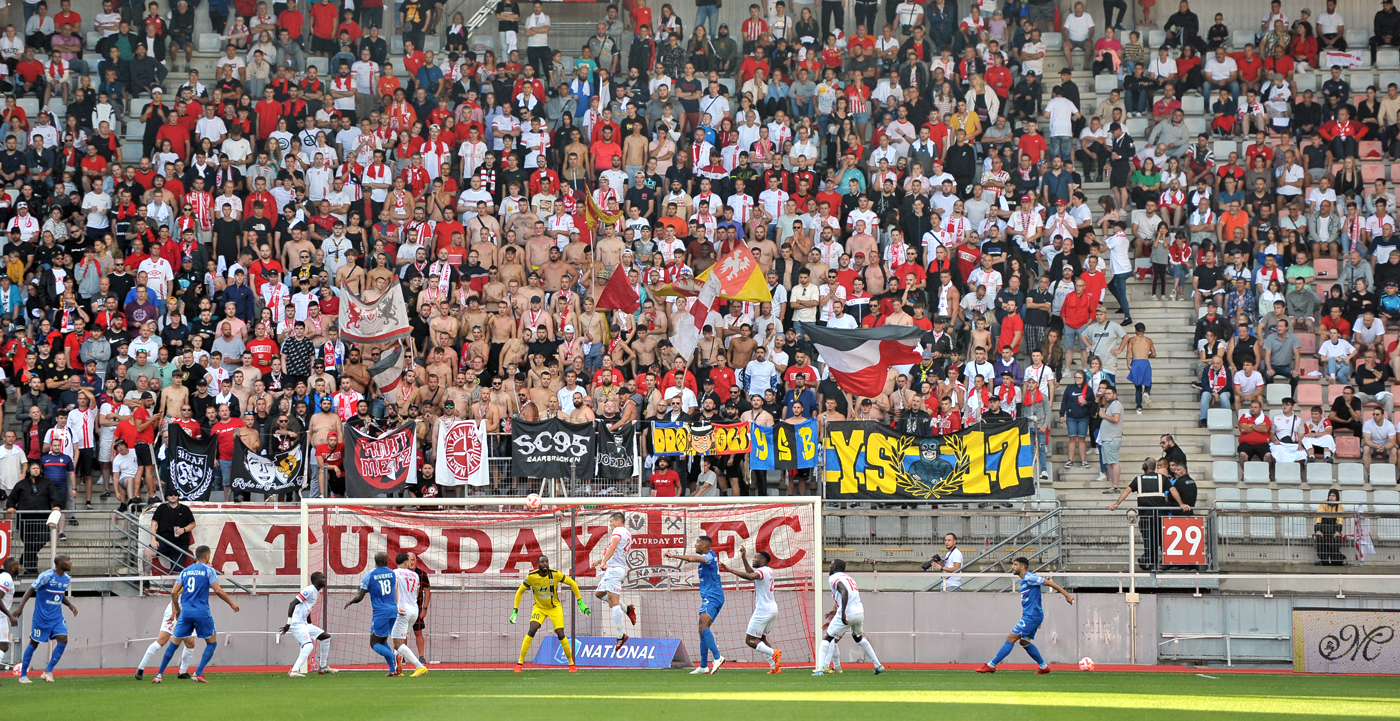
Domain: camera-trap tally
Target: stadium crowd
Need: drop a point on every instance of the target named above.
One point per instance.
(912, 167)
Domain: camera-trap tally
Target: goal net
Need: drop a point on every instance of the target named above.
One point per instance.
(477, 553)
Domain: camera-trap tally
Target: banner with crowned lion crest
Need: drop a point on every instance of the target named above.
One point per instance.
(869, 461)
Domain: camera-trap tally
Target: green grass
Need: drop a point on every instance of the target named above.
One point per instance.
(730, 696)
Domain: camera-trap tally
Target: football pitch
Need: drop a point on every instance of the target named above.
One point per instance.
(731, 694)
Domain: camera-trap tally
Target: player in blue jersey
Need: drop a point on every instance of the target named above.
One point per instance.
(50, 594)
(1032, 615)
(711, 600)
(189, 601)
(379, 582)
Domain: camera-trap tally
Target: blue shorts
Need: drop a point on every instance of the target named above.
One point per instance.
(383, 624)
(1077, 427)
(41, 632)
(711, 607)
(201, 626)
(1027, 626)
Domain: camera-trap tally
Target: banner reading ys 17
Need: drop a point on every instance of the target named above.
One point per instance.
(870, 461)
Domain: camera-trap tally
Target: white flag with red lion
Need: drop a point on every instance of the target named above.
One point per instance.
(383, 320)
(462, 453)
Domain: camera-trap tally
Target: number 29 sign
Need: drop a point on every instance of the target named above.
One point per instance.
(1184, 541)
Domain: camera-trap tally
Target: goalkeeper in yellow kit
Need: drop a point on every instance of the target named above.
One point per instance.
(544, 582)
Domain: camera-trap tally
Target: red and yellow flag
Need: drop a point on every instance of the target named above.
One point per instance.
(739, 277)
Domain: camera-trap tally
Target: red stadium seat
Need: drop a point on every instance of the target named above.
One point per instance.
(1323, 288)
(1334, 392)
(1394, 173)
(1307, 365)
(1308, 341)
(1370, 149)
(1348, 447)
(1309, 394)
(1325, 267)
(1371, 172)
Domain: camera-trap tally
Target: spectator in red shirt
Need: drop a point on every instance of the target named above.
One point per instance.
(31, 75)
(664, 481)
(324, 15)
(330, 456)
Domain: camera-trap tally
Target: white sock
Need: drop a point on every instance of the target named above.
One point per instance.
(186, 658)
(869, 651)
(150, 656)
(323, 655)
(407, 652)
(766, 650)
(618, 618)
(824, 655)
(305, 653)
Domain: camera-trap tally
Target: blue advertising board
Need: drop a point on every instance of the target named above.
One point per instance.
(597, 652)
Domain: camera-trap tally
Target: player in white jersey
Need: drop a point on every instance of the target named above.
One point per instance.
(306, 633)
(406, 587)
(765, 609)
(847, 614)
(614, 565)
(167, 629)
(9, 570)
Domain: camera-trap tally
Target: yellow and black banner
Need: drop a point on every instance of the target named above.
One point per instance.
(869, 461)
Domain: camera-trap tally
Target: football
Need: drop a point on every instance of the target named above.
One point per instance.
(1086, 664)
(532, 501)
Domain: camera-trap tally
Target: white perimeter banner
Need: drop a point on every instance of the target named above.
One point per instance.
(487, 545)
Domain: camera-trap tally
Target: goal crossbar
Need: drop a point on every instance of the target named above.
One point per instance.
(814, 502)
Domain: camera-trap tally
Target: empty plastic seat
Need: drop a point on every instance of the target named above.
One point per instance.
(1358, 37)
(1223, 148)
(1385, 497)
(1362, 79)
(208, 43)
(1193, 105)
(1241, 38)
(322, 64)
(1309, 395)
(1308, 343)
(1351, 474)
(1228, 499)
(921, 528)
(1288, 472)
(1220, 419)
(1274, 393)
(1371, 172)
(831, 528)
(1319, 474)
(1260, 499)
(1105, 83)
(1136, 127)
(1383, 474)
(1385, 529)
(1353, 499)
(1325, 267)
(1307, 366)
(1222, 445)
(1384, 80)
(1224, 472)
(856, 528)
(1294, 527)
(1056, 41)
(1386, 59)
(1256, 472)
(1334, 391)
(1156, 37)
(1197, 125)
(887, 528)
(1316, 496)
(1305, 81)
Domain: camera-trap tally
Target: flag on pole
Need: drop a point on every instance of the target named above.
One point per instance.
(739, 278)
(688, 327)
(618, 294)
(388, 374)
(859, 358)
(383, 320)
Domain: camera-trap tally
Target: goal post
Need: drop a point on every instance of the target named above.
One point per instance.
(478, 550)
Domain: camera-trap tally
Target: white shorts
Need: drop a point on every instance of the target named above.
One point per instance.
(305, 633)
(167, 624)
(836, 629)
(104, 448)
(403, 623)
(759, 623)
(611, 582)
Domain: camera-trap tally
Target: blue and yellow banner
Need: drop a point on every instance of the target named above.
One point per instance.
(796, 445)
(869, 461)
(761, 457)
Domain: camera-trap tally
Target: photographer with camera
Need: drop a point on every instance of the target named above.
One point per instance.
(949, 564)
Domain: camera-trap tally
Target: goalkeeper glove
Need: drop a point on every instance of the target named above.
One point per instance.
(584, 609)
(513, 613)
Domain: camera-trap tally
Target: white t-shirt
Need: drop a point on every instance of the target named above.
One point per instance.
(763, 603)
(1380, 434)
(853, 604)
(124, 466)
(306, 601)
(1036, 65)
(618, 559)
(1329, 23)
(1160, 68)
(1078, 27)
(406, 588)
(1290, 174)
(1338, 349)
(1248, 383)
(954, 557)
(1061, 111)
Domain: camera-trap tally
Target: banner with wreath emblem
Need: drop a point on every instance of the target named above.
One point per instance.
(869, 461)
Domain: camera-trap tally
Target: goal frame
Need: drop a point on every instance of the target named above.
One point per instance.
(815, 502)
